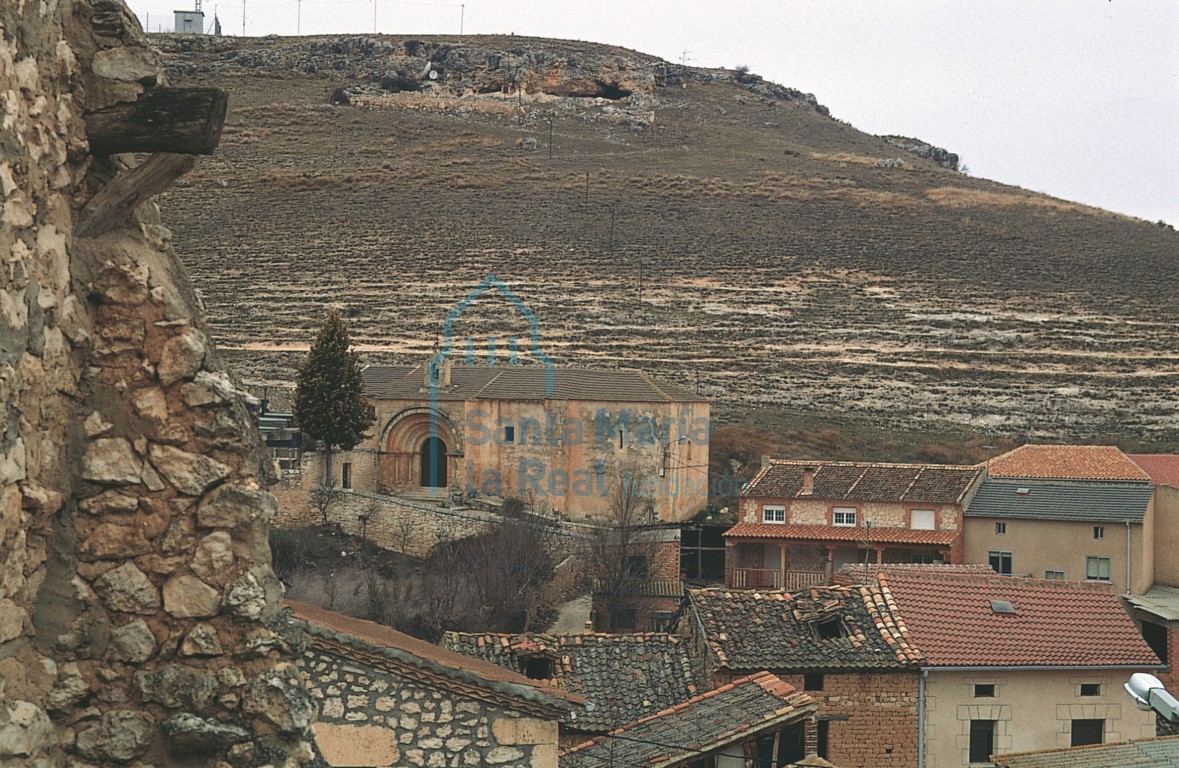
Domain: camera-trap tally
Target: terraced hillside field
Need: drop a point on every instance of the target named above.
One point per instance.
(725, 234)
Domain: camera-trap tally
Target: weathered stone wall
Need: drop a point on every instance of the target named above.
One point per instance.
(138, 612)
(399, 525)
(371, 716)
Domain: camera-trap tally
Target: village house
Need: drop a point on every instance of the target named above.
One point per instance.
(1072, 512)
(757, 720)
(1157, 609)
(622, 678)
(838, 644)
(1013, 665)
(387, 699)
(638, 586)
(562, 439)
(800, 521)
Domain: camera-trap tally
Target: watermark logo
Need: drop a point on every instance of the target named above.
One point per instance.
(435, 469)
(565, 447)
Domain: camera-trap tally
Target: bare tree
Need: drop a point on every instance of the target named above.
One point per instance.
(323, 497)
(621, 551)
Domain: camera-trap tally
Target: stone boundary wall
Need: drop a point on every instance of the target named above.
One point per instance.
(401, 525)
(369, 716)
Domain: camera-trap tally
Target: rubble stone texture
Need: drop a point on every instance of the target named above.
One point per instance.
(133, 497)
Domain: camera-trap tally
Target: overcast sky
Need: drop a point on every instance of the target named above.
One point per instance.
(1075, 98)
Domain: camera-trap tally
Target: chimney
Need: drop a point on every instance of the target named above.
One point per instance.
(765, 460)
(808, 481)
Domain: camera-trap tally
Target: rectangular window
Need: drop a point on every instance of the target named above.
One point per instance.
(924, 558)
(661, 621)
(1088, 732)
(1000, 561)
(812, 681)
(922, 520)
(510, 434)
(984, 691)
(982, 740)
(773, 514)
(1099, 531)
(844, 517)
(1057, 575)
(623, 618)
(824, 728)
(1097, 568)
(346, 475)
(1000, 529)
(1090, 689)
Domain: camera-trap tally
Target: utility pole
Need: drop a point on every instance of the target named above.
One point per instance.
(640, 280)
(243, 18)
(462, 16)
(299, 18)
(550, 137)
(613, 210)
(374, 17)
(587, 188)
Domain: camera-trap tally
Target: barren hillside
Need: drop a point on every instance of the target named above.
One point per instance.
(787, 260)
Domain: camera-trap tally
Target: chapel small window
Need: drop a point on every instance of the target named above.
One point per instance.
(812, 681)
(1090, 689)
(984, 691)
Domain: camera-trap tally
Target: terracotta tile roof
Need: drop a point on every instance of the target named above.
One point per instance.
(834, 533)
(859, 573)
(1163, 468)
(621, 677)
(732, 714)
(861, 481)
(1072, 500)
(526, 382)
(1144, 753)
(1066, 462)
(951, 621)
(747, 630)
(378, 644)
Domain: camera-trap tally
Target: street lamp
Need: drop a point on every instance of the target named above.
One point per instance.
(1147, 693)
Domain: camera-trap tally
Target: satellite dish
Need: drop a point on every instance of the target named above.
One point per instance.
(433, 74)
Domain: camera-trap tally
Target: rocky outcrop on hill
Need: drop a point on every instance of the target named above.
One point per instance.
(139, 617)
(942, 157)
(466, 66)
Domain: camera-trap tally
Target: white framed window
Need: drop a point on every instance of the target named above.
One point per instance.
(1055, 575)
(1097, 568)
(922, 520)
(773, 514)
(1099, 531)
(1000, 529)
(844, 517)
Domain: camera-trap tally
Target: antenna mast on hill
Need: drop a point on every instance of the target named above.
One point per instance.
(243, 18)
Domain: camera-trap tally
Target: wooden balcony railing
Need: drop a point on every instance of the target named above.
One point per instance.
(765, 578)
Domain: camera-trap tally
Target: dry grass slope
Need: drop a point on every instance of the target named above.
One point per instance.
(787, 261)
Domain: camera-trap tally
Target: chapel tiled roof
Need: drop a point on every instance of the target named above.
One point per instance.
(1144, 753)
(1163, 468)
(839, 533)
(864, 481)
(1073, 500)
(748, 630)
(951, 620)
(526, 382)
(731, 714)
(377, 644)
(865, 573)
(1066, 462)
(621, 677)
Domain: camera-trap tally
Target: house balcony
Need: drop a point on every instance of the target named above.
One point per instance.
(767, 578)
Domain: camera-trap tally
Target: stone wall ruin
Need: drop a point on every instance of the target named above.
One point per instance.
(140, 622)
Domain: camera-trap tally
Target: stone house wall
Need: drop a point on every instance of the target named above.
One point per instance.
(370, 716)
(137, 604)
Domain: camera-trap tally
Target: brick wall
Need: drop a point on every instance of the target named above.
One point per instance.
(370, 716)
(872, 717)
(645, 608)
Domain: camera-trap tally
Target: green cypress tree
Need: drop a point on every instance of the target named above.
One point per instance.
(328, 401)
